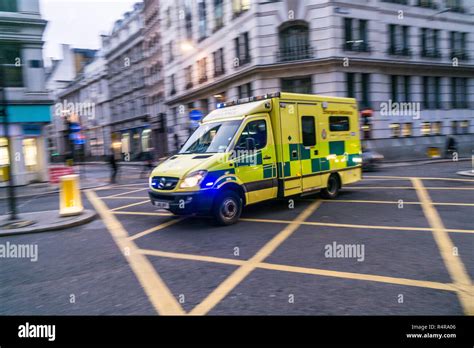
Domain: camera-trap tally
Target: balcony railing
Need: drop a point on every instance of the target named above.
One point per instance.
(431, 53)
(461, 55)
(295, 53)
(399, 51)
(356, 47)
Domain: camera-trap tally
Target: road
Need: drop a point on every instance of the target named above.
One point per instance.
(401, 242)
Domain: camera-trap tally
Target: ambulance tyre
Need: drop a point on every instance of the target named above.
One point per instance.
(332, 189)
(227, 208)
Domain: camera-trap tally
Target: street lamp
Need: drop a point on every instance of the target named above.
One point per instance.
(6, 129)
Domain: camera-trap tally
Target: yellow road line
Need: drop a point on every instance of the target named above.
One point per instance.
(305, 270)
(409, 178)
(130, 205)
(405, 188)
(191, 257)
(245, 269)
(158, 293)
(394, 202)
(124, 197)
(141, 213)
(374, 227)
(359, 276)
(156, 228)
(125, 193)
(453, 263)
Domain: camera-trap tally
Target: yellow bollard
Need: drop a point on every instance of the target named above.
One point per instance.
(70, 202)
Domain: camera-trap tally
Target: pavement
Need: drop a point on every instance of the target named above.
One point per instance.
(400, 242)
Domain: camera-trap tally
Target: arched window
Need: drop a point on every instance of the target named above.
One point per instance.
(294, 41)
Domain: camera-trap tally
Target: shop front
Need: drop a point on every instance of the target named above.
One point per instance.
(130, 144)
(28, 152)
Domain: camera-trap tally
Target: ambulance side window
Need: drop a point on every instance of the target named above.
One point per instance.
(339, 123)
(255, 132)
(308, 126)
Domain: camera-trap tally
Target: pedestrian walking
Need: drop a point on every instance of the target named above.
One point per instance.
(147, 164)
(113, 168)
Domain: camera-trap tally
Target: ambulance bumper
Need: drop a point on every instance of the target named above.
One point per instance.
(183, 203)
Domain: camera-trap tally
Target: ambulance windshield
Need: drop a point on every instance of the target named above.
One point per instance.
(211, 137)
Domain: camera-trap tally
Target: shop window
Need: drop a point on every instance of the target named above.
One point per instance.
(30, 153)
(396, 130)
(425, 128)
(4, 157)
(436, 128)
(407, 130)
(454, 127)
(464, 125)
(146, 140)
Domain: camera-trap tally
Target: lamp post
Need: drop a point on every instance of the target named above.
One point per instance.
(6, 129)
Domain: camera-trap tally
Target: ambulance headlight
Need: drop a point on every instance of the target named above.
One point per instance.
(193, 179)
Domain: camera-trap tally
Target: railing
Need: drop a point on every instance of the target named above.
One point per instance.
(356, 47)
(399, 51)
(461, 55)
(431, 53)
(295, 53)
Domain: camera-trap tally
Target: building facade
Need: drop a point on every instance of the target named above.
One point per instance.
(130, 124)
(154, 82)
(27, 101)
(84, 104)
(410, 63)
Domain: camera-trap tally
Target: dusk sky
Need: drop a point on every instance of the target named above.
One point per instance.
(79, 22)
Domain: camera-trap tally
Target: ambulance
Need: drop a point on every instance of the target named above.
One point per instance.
(260, 148)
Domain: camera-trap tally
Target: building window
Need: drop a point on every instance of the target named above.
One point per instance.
(294, 43)
(240, 6)
(242, 49)
(355, 35)
(202, 70)
(339, 124)
(202, 13)
(454, 127)
(219, 62)
(297, 85)
(172, 84)
(170, 51)
(395, 130)
(431, 92)
(407, 130)
(464, 125)
(308, 127)
(427, 4)
(458, 43)
(8, 6)
(454, 5)
(245, 91)
(459, 92)
(218, 14)
(188, 18)
(168, 17)
(429, 43)
(12, 69)
(398, 40)
(358, 86)
(188, 77)
(400, 2)
(400, 86)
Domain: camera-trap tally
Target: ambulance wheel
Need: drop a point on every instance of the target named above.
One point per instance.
(332, 189)
(227, 208)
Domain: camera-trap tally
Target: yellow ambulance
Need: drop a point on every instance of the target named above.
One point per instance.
(260, 148)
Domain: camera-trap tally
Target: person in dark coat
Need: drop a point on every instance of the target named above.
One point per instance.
(113, 168)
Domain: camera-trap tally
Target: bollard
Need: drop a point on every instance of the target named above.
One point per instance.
(70, 202)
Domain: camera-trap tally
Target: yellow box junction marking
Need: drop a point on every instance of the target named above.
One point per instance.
(158, 293)
(452, 262)
(244, 270)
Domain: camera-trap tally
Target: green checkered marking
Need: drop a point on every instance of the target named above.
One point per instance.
(337, 148)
